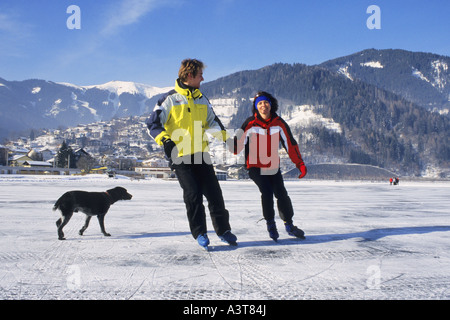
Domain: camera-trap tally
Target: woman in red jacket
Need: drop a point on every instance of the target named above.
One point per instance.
(261, 135)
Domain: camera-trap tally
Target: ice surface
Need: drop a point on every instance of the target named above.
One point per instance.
(363, 241)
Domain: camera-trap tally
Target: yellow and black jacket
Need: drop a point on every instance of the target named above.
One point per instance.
(183, 115)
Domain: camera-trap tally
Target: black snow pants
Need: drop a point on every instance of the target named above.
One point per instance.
(270, 185)
(198, 180)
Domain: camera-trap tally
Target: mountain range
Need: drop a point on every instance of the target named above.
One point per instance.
(373, 124)
(34, 103)
(383, 107)
(422, 78)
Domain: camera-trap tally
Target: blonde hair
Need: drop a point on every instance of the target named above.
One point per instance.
(188, 66)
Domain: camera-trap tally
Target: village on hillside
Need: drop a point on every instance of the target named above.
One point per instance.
(121, 145)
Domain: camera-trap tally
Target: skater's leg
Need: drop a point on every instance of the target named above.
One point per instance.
(193, 199)
(285, 208)
(265, 187)
(213, 193)
(284, 203)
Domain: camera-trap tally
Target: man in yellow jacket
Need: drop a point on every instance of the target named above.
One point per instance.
(178, 123)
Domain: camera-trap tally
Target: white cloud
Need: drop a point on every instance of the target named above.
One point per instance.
(128, 12)
(118, 14)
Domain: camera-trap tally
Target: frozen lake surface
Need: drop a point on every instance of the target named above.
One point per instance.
(363, 241)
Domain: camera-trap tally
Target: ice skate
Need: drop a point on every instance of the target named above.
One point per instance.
(229, 238)
(273, 232)
(294, 231)
(203, 241)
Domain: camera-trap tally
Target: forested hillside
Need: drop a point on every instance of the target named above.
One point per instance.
(378, 126)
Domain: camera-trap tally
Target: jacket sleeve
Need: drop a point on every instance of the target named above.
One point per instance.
(155, 123)
(291, 145)
(240, 139)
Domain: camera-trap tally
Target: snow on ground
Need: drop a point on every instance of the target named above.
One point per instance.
(372, 64)
(305, 116)
(363, 241)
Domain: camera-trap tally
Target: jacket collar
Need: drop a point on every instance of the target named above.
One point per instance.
(263, 122)
(187, 91)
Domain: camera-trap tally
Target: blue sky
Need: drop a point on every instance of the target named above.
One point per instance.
(145, 40)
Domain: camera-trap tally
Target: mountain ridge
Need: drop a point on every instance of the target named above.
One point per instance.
(379, 124)
(422, 78)
(379, 127)
(35, 103)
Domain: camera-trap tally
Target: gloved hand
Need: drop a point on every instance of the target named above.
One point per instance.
(302, 169)
(169, 145)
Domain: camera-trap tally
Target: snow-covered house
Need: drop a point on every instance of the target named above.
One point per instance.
(19, 159)
(41, 164)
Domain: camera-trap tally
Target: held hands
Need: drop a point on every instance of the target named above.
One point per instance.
(302, 169)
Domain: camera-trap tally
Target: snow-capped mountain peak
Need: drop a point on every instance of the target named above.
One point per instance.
(49, 104)
(120, 87)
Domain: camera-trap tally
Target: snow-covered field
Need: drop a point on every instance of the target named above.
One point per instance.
(363, 241)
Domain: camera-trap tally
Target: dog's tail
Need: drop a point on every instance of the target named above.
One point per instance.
(56, 206)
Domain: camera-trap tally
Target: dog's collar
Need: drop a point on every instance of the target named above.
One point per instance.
(110, 198)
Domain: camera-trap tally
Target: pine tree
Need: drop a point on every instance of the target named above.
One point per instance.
(65, 158)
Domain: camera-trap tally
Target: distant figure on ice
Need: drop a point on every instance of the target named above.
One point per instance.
(396, 181)
(261, 135)
(178, 123)
(391, 180)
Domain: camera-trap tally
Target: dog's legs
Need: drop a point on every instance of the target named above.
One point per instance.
(61, 223)
(86, 224)
(101, 219)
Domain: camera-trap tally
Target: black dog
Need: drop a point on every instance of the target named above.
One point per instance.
(90, 203)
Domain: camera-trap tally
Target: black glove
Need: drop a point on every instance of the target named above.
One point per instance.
(169, 145)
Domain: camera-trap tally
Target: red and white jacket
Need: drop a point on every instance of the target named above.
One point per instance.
(261, 140)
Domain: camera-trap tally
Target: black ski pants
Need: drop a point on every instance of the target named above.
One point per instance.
(270, 185)
(198, 180)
